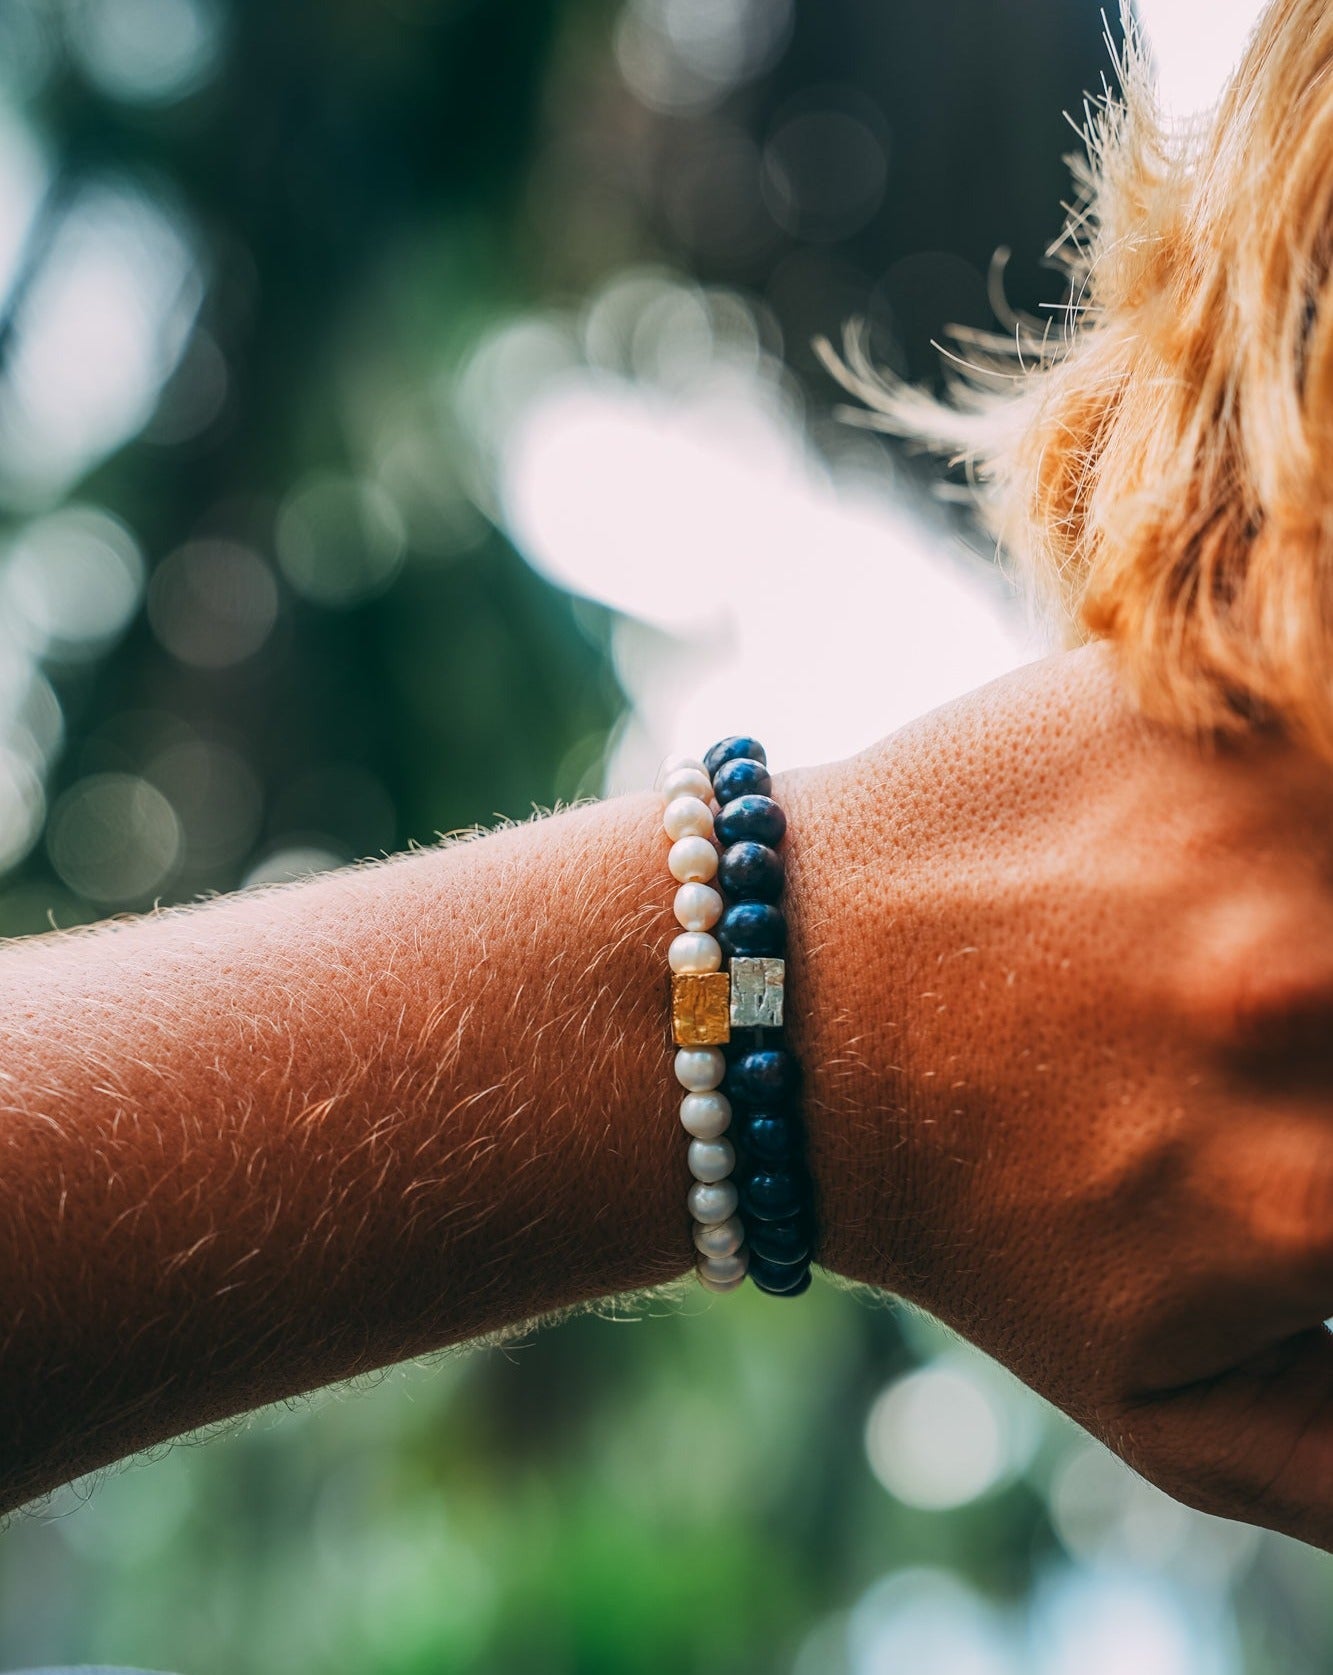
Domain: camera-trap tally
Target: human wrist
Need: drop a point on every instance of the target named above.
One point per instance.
(849, 1020)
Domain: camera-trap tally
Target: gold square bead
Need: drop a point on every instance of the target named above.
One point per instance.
(757, 987)
(700, 1008)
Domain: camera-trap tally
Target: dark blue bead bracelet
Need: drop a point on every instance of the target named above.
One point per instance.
(733, 750)
(752, 929)
(783, 1243)
(771, 1194)
(742, 777)
(763, 1078)
(750, 871)
(779, 1281)
(771, 1137)
(752, 817)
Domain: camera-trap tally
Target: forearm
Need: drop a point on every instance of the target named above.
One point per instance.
(1060, 986)
(254, 1147)
(251, 1148)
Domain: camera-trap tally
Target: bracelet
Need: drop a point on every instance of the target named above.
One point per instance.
(700, 1024)
(709, 1003)
(763, 1078)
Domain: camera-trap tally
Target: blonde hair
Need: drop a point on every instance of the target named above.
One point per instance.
(1164, 463)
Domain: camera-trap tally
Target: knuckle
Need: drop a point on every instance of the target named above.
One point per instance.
(1293, 1220)
(1254, 977)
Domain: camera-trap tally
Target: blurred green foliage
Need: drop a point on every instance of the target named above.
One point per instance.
(350, 181)
(363, 187)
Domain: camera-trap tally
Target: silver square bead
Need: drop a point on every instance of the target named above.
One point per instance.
(757, 987)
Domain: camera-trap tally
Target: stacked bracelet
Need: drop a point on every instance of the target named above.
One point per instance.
(772, 1238)
(763, 1076)
(701, 1025)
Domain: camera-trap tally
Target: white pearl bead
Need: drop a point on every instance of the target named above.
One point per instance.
(720, 1286)
(725, 1238)
(699, 1069)
(673, 764)
(705, 1115)
(724, 1270)
(698, 907)
(692, 860)
(687, 782)
(687, 817)
(711, 1160)
(712, 1201)
(694, 951)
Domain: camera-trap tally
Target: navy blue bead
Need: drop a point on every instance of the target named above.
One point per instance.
(770, 1194)
(771, 1137)
(779, 1282)
(757, 818)
(766, 1076)
(742, 778)
(751, 928)
(782, 1243)
(731, 750)
(750, 872)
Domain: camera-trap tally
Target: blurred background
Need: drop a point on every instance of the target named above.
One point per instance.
(408, 415)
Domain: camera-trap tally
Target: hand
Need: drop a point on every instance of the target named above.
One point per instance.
(1066, 988)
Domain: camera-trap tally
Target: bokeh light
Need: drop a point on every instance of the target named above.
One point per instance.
(339, 540)
(22, 806)
(1106, 1515)
(948, 1433)
(96, 337)
(145, 51)
(825, 168)
(71, 582)
(1094, 1623)
(290, 861)
(114, 839)
(31, 719)
(216, 797)
(1194, 46)
(928, 1622)
(213, 603)
(24, 179)
(408, 416)
(194, 396)
(703, 515)
(687, 55)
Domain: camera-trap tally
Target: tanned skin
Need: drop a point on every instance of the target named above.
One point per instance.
(1062, 984)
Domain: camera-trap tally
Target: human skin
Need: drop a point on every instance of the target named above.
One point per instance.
(1063, 991)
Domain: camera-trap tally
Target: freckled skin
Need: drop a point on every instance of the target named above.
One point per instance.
(1061, 983)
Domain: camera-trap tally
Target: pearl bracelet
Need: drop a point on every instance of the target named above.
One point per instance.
(700, 1014)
